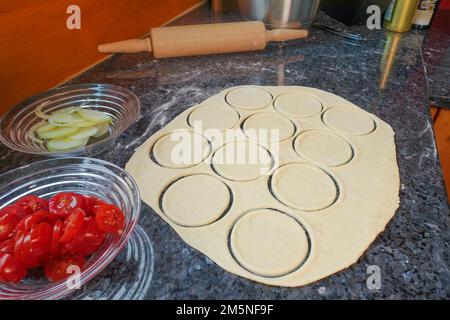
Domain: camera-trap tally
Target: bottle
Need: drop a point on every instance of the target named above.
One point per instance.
(399, 15)
(425, 13)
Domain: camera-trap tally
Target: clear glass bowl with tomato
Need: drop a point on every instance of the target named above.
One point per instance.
(80, 211)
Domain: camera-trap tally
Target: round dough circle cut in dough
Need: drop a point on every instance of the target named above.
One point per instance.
(323, 147)
(214, 117)
(269, 243)
(250, 98)
(181, 149)
(196, 200)
(241, 161)
(303, 186)
(349, 120)
(268, 127)
(298, 104)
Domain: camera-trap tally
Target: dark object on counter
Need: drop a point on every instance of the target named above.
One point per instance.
(425, 13)
(351, 12)
(340, 32)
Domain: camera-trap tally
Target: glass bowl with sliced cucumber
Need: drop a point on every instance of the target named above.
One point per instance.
(70, 121)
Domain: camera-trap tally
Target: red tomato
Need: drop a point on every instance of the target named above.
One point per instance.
(32, 204)
(14, 209)
(63, 203)
(92, 204)
(8, 224)
(32, 246)
(27, 222)
(110, 219)
(72, 225)
(57, 268)
(87, 241)
(58, 231)
(11, 270)
(7, 246)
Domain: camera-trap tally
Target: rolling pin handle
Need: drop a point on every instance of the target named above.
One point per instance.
(126, 46)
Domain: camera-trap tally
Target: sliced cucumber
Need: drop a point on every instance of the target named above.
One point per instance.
(84, 133)
(61, 119)
(68, 110)
(33, 129)
(69, 128)
(39, 112)
(65, 144)
(59, 132)
(103, 129)
(94, 116)
(81, 122)
(84, 124)
(45, 128)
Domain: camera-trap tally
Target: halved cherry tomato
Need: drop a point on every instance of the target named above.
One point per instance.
(32, 204)
(8, 224)
(63, 203)
(7, 246)
(11, 270)
(110, 219)
(32, 247)
(27, 222)
(54, 234)
(87, 241)
(92, 205)
(14, 209)
(58, 231)
(57, 268)
(72, 224)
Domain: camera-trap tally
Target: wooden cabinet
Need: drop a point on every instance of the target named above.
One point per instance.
(441, 121)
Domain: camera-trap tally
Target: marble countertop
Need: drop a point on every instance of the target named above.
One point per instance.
(412, 253)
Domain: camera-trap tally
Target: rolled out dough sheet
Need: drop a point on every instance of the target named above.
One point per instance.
(315, 199)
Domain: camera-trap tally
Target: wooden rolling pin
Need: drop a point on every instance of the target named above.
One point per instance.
(178, 41)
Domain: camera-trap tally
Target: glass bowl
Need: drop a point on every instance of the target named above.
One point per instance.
(82, 175)
(121, 104)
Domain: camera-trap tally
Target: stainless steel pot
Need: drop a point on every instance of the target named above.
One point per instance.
(289, 14)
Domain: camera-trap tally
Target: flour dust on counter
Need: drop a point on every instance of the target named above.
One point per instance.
(280, 185)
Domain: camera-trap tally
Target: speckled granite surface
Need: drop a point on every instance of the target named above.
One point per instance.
(412, 253)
